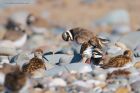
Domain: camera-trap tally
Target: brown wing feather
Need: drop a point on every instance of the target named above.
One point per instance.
(12, 35)
(83, 36)
(117, 61)
(15, 81)
(34, 64)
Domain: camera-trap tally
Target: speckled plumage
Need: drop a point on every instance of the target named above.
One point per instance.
(35, 63)
(119, 61)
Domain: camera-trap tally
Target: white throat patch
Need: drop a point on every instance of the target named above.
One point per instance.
(88, 52)
(71, 37)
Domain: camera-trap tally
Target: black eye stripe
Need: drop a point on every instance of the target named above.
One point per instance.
(96, 51)
(94, 46)
(67, 34)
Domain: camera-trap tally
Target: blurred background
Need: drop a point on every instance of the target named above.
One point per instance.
(95, 15)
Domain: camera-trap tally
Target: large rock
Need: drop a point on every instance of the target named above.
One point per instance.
(115, 17)
(121, 29)
(78, 67)
(62, 58)
(131, 40)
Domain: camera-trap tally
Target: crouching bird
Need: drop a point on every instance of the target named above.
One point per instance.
(15, 81)
(119, 61)
(35, 63)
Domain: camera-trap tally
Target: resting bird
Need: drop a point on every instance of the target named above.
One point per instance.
(119, 61)
(37, 24)
(15, 81)
(35, 63)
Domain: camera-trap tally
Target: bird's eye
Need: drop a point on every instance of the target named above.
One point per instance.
(94, 46)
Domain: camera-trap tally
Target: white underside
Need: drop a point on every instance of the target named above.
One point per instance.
(2, 78)
(20, 42)
(127, 66)
(88, 52)
(38, 29)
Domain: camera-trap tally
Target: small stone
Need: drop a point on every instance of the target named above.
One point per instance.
(48, 91)
(97, 90)
(2, 32)
(122, 90)
(135, 86)
(82, 84)
(7, 50)
(2, 78)
(37, 90)
(137, 65)
(58, 82)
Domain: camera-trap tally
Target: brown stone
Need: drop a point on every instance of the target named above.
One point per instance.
(2, 33)
(137, 65)
(122, 90)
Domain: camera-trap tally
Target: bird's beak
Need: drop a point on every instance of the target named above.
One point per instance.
(44, 57)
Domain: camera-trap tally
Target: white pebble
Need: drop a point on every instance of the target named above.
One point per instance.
(57, 82)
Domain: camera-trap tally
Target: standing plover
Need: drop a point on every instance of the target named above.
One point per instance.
(99, 42)
(37, 24)
(16, 37)
(80, 35)
(16, 18)
(35, 63)
(12, 39)
(91, 53)
(120, 60)
(14, 81)
(94, 48)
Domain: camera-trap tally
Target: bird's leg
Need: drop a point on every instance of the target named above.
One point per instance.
(8, 57)
(84, 60)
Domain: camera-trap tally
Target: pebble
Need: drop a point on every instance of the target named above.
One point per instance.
(57, 82)
(135, 86)
(82, 84)
(6, 50)
(122, 90)
(137, 65)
